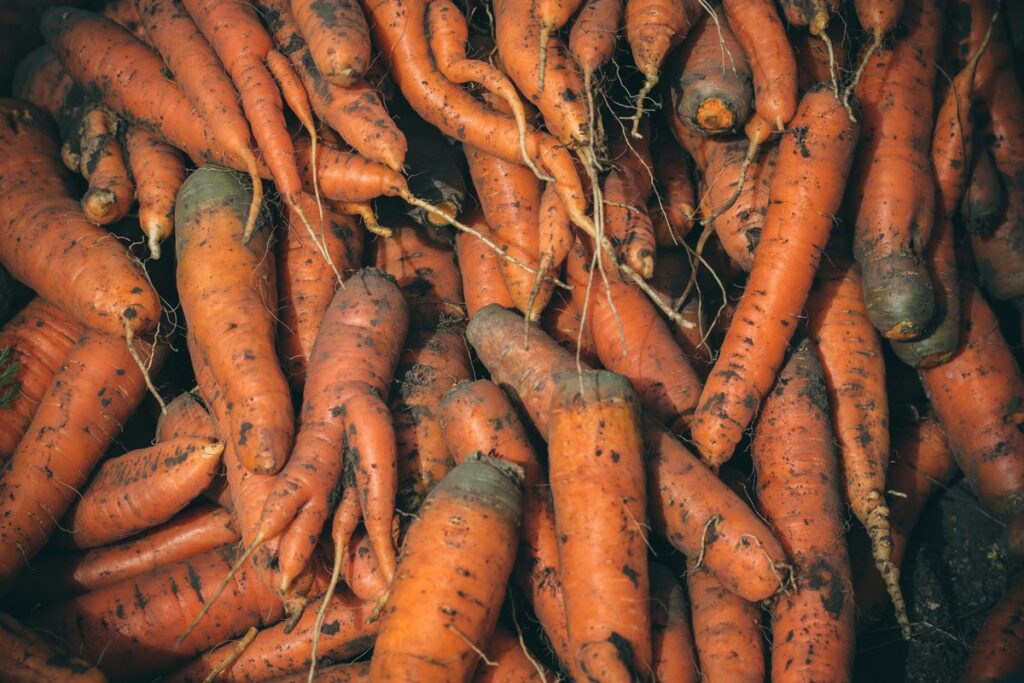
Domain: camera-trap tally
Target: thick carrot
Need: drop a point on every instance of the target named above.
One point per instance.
(977, 396)
(28, 657)
(480, 267)
(277, 651)
(714, 78)
(893, 193)
(673, 206)
(338, 38)
(158, 171)
(43, 233)
(451, 589)
(54, 577)
(110, 190)
(806, 190)
(762, 37)
(726, 630)
(141, 489)
(984, 198)
(671, 639)
(998, 651)
(626, 191)
(228, 298)
(37, 340)
(686, 500)
(94, 392)
(798, 492)
(343, 411)
(184, 416)
(306, 280)
(129, 628)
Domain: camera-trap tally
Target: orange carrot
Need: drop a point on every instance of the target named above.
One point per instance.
(760, 33)
(563, 322)
(42, 234)
(360, 569)
(511, 661)
(593, 35)
(998, 651)
(480, 267)
(452, 589)
(338, 38)
(103, 164)
(37, 340)
(159, 171)
(626, 191)
(29, 657)
(817, 60)
(674, 657)
(798, 492)
(94, 392)
(228, 298)
(673, 205)
(346, 177)
(672, 275)
(983, 198)
(814, 160)
(124, 13)
(41, 80)
(815, 14)
(184, 416)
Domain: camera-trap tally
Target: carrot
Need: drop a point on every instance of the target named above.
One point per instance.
(592, 41)
(480, 268)
(510, 661)
(345, 177)
(1015, 536)
(816, 59)
(922, 464)
(674, 657)
(815, 14)
(998, 651)
(653, 29)
(95, 390)
(673, 205)
(714, 79)
(158, 171)
(55, 577)
(36, 342)
(110, 190)
(434, 359)
(141, 489)
(228, 296)
(686, 499)
(626, 191)
(798, 492)
(850, 354)
(355, 672)
(563, 321)
(510, 197)
(42, 232)
(184, 416)
(306, 280)
(984, 198)
(552, 15)
(398, 31)
(124, 13)
(762, 37)
(671, 276)
(350, 368)
(275, 651)
(40, 79)
(977, 396)
(806, 190)
(893, 194)
(129, 628)
(453, 589)
(360, 569)
(29, 657)
(338, 38)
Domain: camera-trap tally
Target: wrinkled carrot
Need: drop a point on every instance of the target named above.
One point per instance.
(29, 657)
(158, 171)
(480, 268)
(338, 37)
(674, 657)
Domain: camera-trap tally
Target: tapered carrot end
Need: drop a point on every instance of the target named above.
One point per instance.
(100, 206)
(257, 199)
(651, 80)
(880, 535)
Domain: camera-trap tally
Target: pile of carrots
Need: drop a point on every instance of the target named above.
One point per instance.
(414, 340)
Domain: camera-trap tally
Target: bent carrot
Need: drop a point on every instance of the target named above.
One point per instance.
(814, 160)
(159, 171)
(627, 188)
(338, 38)
(42, 232)
(28, 657)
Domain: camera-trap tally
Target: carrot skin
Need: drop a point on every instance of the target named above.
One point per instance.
(338, 37)
(480, 268)
(674, 656)
(654, 27)
(29, 657)
(594, 33)
(159, 171)
(512, 662)
(996, 653)
(762, 37)
(185, 416)
(726, 630)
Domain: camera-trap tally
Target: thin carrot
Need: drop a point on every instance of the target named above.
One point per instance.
(29, 657)
(480, 268)
(592, 41)
(814, 160)
(338, 37)
(674, 656)
(552, 15)
(158, 171)
(998, 651)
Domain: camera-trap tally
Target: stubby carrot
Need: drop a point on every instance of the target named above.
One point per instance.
(29, 657)
(228, 298)
(814, 159)
(338, 37)
(760, 33)
(673, 656)
(798, 492)
(452, 588)
(110, 190)
(158, 171)
(998, 651)
(42, 233)
(480, 267)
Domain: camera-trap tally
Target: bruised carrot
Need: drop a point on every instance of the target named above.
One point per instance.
(998, 651)
(338, 37)
(37, 341)
(129, 628)
(103, 164)
(977, 396)
(511, 660)
(228, 298)
(893, 192)
(452, 589)
(306, 280)
(141, 489)
(275, 652)
(55, 577)
(983, 198)
(688, 504)
(714, 79)
(42, 232)
(350, 367)
(626, 191)
(814, 160)
(482, 279)
(674, 658)
(93, 393)
(158, 171)
(28, 657)
(762, 37)
(798, 492)
(673, 206)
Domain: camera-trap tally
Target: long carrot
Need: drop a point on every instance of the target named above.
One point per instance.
(798, 492)
(338, 37)
(29, 657)
(760, 33)
(480, 267)
(806, 190)
(998, 651)
(674, 658)
(37, 341)
(452, 589)
(94, 392)
(43, 233)
(158, 171)
(228, 297)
